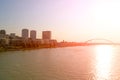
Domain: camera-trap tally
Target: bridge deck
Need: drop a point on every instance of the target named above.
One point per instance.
(100, 44)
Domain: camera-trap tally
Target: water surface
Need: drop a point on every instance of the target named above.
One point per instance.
(70, 63)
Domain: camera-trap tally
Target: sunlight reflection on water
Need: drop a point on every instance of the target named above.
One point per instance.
(104, 61)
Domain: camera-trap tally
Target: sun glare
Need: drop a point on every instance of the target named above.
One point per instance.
(103, 57)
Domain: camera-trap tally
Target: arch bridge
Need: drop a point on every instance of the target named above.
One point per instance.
(100, 41)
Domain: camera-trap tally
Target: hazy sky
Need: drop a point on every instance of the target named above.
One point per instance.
(70, 20)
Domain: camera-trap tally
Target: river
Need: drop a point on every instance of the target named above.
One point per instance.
(68, 63)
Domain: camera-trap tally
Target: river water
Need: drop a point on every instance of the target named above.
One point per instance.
(69, 63)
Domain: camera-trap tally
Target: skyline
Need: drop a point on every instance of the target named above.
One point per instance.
(75, 20)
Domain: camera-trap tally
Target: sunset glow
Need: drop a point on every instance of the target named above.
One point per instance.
(75, 20)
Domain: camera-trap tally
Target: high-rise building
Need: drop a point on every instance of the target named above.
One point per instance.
(3, 32)
(12, 35)
(46, 35)
(33, 34)
(25, 33)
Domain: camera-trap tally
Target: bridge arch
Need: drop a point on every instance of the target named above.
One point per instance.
(98, 39)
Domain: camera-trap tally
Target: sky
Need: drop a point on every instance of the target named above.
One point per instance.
(69, 20)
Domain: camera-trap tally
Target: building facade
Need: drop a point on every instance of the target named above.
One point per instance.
(46, 35)
(33, 34)
(12, 35)
(25, 33)
(3, 32)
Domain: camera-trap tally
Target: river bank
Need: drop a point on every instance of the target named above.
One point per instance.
(21, 48)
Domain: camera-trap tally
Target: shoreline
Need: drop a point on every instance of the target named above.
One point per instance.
(22, 49)
(34, 48)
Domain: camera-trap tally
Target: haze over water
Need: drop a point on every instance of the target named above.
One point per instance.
(70, 63)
